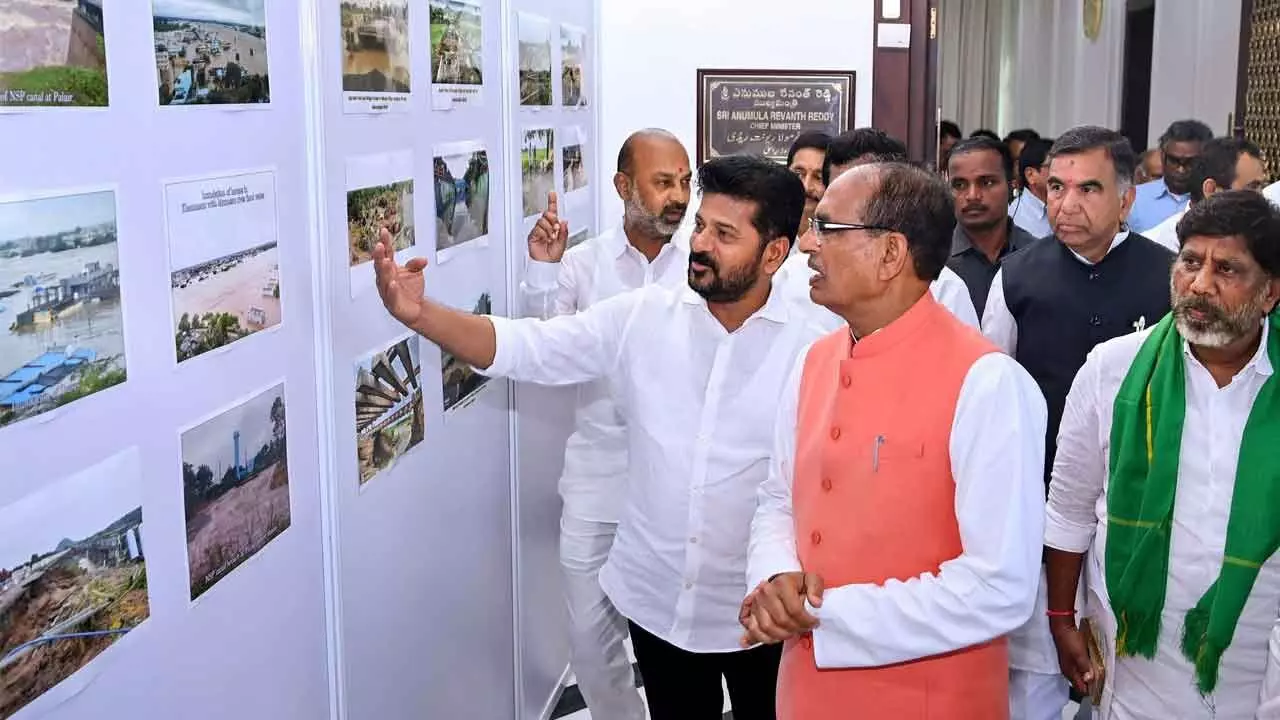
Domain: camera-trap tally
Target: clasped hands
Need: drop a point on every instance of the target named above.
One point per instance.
(775, 611)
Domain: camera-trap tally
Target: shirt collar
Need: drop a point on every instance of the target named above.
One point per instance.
(1259, 363)
(1115, 243)
(1034, 204)
(775, 309)
(1018, 239)
(905, 327)
(1164, 191)
(615, 239)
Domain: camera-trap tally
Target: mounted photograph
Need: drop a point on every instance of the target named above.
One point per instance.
(573, 141)
(375, 56)
(534, 59)
(235, 484)
(61, 317)
(573, 43)
(211, 52)
(53, 53)
(223, 258)
(389, 415)
(379, 194)
(457, 53)
(462, 197)
(460, 382)
(73, 577)
(537, 169)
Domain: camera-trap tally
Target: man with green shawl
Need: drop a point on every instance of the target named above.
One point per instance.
(1166, 489)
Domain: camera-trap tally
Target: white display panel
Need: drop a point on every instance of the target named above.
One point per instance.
(254, 642)
(189, 334)
(544, 416)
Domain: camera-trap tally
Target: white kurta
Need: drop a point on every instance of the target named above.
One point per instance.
(595, 457)
(1137, 688)
(997, 458)
(1166, 233)
(699, 405)
(949, 290)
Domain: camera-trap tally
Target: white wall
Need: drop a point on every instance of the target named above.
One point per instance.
(1058, 77)
(652, 51)
(1193, 69)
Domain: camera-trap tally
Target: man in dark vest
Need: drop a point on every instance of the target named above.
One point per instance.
(1049, 305)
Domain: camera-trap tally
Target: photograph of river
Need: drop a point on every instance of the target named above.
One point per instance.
(61, 320)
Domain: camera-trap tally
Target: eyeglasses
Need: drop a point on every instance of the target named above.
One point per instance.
(821, 228)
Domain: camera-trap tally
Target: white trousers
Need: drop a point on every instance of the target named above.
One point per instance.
(597, 631)
(1037, 696)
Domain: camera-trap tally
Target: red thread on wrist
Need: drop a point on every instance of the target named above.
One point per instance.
(1060, 613)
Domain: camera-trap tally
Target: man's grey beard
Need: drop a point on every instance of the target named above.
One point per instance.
(1223, 327)
(638, 217)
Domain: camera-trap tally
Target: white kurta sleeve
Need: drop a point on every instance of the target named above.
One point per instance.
(997, 321)
(997, 456)
(773, 532)
(567, 349)
(549, 289)
(951, 292)
(1269, 702)
(1079, 468)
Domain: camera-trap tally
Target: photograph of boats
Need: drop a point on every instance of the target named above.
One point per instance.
(53, 53)
(61, 320)
(73, 577)
(211, 52)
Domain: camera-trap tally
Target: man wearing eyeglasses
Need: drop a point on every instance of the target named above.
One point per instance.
(847, 151)
(1158, 199)
(896, 539)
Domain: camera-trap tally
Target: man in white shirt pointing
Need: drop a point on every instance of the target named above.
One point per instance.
(652, 180)
(1167, 477)
(696, 372)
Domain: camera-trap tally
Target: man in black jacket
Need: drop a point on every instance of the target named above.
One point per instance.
(1050, 305)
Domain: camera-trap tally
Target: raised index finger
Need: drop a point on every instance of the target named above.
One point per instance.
(553, 203)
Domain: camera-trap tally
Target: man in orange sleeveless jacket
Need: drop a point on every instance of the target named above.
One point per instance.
(897, 536)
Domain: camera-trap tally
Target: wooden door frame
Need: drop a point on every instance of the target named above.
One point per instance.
(1242, 67)
(905, 80)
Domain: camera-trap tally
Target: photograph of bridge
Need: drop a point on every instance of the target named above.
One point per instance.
(235, 481)
(211, 52)
(389, 417)
(573, 42)
(462, 196)
(52, 54)
(461, 383)
(537, 169)
(61, 320)
(457, 50)
(224, 260)
(73, 576)
(535, 59)
(375, 49)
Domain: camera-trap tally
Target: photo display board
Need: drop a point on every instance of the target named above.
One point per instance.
(217, 450)
(160, 475)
